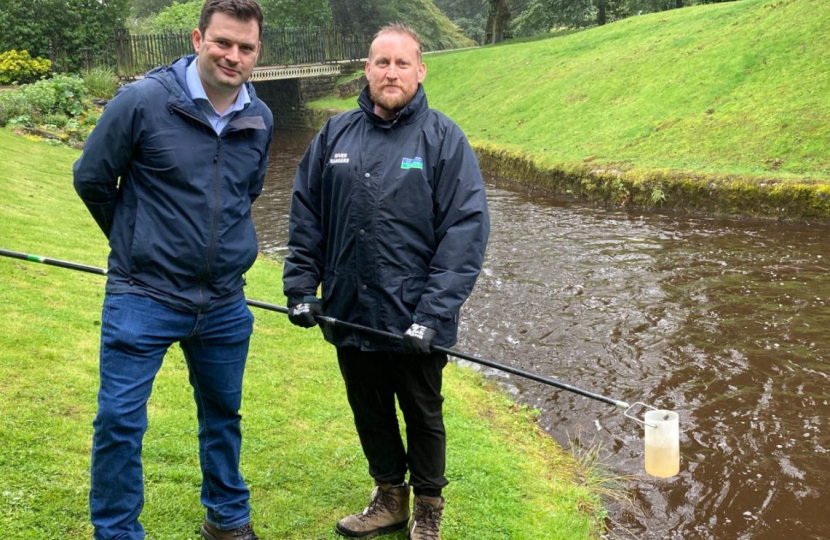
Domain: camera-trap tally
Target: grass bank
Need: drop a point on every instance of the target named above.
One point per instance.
(719, 108)
(301, 456)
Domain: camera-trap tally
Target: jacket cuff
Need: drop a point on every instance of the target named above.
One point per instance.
(429, 321)
(300, 298)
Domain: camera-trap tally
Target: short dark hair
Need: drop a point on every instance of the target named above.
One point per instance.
(243, 10)
(403, 30)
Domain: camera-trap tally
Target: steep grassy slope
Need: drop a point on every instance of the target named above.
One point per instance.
(733, 88)
(736, 87)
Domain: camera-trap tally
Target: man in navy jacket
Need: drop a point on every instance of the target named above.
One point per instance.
(169, 174)
(389, 214)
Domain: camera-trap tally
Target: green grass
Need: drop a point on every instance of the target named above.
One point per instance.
(733, 88)
(301, 457)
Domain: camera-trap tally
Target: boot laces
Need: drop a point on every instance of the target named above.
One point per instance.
(428, 521)
(246, 532)
(382, 501)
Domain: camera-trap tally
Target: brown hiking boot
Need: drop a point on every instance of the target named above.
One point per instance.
(245, 532)
(426, 518)
(388, 511)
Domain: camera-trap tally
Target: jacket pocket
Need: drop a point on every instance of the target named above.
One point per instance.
(143, 237)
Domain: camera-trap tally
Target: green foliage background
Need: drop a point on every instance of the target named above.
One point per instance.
(145, 8)
(177, 16)
(366, 17)
(296, 13)
(469, 15)
(71, 25)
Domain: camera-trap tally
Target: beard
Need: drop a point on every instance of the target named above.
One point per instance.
(392, 103)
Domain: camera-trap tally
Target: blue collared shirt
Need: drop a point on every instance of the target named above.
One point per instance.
(199, 97)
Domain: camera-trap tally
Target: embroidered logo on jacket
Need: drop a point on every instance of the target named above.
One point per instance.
(340, 158)
(414, 163)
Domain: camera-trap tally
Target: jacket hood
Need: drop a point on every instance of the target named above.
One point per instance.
(415, 108)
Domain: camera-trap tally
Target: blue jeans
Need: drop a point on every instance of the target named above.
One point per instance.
(136, 332)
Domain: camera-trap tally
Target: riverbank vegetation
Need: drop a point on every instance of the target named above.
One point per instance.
(718, 108)
(301, 456)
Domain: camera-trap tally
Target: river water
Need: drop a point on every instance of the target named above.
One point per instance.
(725, 322)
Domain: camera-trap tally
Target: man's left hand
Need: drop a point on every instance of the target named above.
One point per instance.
(418, 339)
(305, 313)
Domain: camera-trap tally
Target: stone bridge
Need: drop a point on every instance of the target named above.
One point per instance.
(286, 89)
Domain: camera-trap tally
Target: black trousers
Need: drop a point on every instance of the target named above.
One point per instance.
(373, 380)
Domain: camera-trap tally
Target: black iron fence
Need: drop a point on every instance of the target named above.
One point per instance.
(131, 55)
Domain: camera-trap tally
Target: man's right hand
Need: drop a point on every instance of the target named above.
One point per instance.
(304, 314)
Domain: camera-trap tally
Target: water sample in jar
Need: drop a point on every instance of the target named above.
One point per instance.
(662, 441)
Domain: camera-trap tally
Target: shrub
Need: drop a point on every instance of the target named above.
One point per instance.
(12, 107)
(40, 98)
(20, 68)
(57, 120)
(31, 104)
(71, 93)
(62, 94)
(100, 81)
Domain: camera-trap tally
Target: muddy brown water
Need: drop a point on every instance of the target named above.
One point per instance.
(725, 322)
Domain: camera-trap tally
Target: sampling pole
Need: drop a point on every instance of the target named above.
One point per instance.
(352, 326)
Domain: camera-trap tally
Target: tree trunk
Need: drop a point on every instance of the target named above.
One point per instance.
(601, 17)
(497, 17)
(678, 3)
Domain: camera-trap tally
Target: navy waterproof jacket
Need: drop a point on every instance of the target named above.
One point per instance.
(391, 217)
(172, 196)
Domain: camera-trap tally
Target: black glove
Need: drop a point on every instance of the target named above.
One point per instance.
(418, 339)
(304, 313)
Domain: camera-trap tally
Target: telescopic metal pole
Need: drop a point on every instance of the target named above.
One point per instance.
(53, 262)
(352, 326)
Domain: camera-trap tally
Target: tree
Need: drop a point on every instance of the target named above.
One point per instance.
(497, 18)
(365, 17)
(360, 17)
(184, 16)
(469, 15)
(296, 13)
(71, 26)
(145, 8)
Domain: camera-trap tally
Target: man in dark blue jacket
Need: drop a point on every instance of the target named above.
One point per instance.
(389, 214)
(169, 174)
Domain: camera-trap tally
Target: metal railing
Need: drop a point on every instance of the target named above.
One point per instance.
(132, 55)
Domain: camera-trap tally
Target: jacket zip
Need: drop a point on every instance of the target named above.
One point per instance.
(215, 220)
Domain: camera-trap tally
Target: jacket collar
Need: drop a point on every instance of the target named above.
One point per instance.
(174, 79)
(415, 108)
